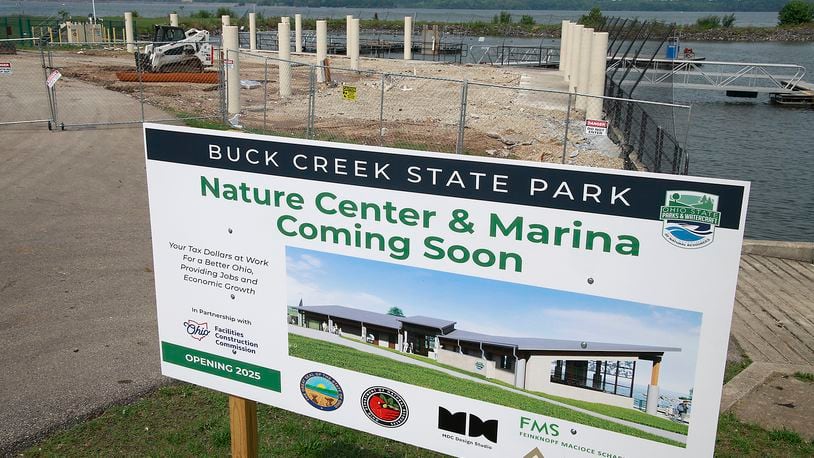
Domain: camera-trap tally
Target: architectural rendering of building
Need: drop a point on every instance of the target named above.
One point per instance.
(590, 371)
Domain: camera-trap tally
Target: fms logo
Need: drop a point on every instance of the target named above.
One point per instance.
(456, 423)
(196, 330)
(689, 218)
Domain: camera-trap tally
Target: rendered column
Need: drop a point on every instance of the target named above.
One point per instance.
(653, 388)
(596, 77)
(128, 32)
(348, 25)
(174, 19)
(573, 57)
(298, 33)
(354, 44)
(252, 31)
(224, 20)
(584, 66)
(322, 49)
(230, 47)
(284, 45)
(520, 373)
(563, 48)
(408, 37)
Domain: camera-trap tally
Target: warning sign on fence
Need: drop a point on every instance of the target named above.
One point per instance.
(5, 68)
(349, 92)
(53, 78)
(596, 127)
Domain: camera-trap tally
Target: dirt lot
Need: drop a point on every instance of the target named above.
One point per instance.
(421, 109)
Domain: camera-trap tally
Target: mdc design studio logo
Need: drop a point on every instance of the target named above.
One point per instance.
(384, 407)
(456, 423)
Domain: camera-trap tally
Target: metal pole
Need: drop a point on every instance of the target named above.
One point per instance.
(381, 112)
(140, 71)
(266, 93)
(567, 124)
(459, 145)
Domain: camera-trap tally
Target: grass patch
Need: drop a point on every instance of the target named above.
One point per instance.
(355, 360)
(734, 368)
(613, 411)
(804, 376)
(738, 440)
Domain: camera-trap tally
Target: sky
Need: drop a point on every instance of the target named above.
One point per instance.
(497, 307)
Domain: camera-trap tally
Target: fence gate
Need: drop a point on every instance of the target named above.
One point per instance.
(25, 96)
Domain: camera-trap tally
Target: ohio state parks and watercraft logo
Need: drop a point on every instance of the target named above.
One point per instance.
(384, 407)
(689, 218)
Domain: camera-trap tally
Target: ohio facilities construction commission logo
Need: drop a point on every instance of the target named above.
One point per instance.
(321, 391)
(689, 218)
(384, 407)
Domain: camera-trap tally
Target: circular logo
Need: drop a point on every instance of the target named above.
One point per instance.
(321, 391)
(384, 407)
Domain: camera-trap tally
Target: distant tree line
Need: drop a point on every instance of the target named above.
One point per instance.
(605, 5)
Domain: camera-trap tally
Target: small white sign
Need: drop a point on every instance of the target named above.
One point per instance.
(230, 63)
(596, 127)
(53, 78)
(5, 68)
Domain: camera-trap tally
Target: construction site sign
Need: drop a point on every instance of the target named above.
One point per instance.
(596, 127)
(53, 78)
(472, 306)
(5, 68)
(349, 92)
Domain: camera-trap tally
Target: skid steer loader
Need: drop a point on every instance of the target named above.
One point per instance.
(174, 50)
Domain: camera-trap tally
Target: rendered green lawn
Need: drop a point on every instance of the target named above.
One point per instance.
(613, 411)
(349, 358)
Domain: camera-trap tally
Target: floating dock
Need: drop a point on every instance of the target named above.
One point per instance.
(801, 96)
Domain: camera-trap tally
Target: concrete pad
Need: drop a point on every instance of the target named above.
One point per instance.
(782, 401)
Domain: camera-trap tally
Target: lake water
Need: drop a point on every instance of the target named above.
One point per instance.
(746, 139)
(156, 9)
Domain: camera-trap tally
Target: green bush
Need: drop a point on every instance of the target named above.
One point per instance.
(223, 11)
(202, 14)
(708, 22)
(503, 18)
(796, 12)
(526, 20)
(593, 19)
(728, 20)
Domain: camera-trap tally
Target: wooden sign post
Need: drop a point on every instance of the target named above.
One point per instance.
(243, 424)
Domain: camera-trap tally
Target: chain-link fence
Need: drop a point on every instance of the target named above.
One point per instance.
(159, 82)
(21, 63)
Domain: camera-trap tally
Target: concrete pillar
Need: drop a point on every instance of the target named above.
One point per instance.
(563, 48)
(573, 56)
(584, 66)
(400, 344)
(286, 20)
(596, 77)
(69, 33)
(354, 44)
(652, 399)
(364, 333)
(520, 373)
(284, 46)
(330, 324)
(322, 48)
(174, 19)
(232, 62)
(252, 31)
(224, 20)
(298, 33)
(348, 25)
(128, 32)
(408, 37)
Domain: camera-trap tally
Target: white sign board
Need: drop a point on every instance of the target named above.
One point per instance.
(53, 78)
(472, 306)
(5, 68)
(596, 127)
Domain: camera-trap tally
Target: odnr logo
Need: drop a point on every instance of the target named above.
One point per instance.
(689, 218)
(384, 407)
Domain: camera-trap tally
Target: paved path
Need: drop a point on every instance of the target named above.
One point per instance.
(321, 335)
(77, 308)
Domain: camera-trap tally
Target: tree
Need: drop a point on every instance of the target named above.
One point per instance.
(796, 12)
(593, 19)
(395, 311)
(64, 15)
(728, 20)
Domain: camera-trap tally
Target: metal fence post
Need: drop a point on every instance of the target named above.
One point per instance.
(459, 145)
(312, 77)
(48, 91)
(266, 94)
(381, 111)
(567, 124)
(140, 72)
(659, 147)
